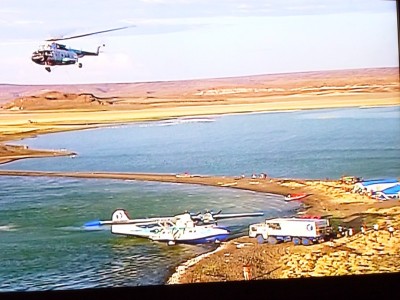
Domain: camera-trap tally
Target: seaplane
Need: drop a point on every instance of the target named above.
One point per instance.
(185, 228)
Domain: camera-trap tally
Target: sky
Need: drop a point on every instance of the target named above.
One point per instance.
(196, 39)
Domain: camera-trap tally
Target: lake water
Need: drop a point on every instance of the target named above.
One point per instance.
(42, 241)
(300, 144)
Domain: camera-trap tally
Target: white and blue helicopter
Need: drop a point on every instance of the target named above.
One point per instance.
(54, 54)
(183, 228)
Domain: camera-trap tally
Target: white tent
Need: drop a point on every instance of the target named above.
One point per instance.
(373, 186)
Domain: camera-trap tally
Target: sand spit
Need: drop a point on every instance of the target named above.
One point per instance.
(10, 153)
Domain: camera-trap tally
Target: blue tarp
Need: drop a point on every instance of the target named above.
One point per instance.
(392, 190)
(378, 181)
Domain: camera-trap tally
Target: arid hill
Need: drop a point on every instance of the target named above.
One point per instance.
(232, 90)
(54, 100)
(378, 78)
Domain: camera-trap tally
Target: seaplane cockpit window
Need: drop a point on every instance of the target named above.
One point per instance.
(148, 225)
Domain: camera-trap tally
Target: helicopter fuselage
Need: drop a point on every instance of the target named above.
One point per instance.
(54, 54)
(58, 55)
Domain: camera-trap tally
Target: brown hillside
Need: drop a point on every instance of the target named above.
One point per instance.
(54, 100)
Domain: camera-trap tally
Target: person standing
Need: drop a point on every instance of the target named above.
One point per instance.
(391, 231)
(350, 231)
(362, 229)
(376, 228)
(247, 272)
(340, 230)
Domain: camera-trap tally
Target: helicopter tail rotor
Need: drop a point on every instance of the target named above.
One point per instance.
(98, 48)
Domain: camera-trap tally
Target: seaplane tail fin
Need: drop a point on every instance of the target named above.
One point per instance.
(120, 215)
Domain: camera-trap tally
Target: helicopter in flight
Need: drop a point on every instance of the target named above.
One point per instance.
(55, 54)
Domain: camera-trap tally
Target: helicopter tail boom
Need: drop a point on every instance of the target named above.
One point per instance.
(81, 53)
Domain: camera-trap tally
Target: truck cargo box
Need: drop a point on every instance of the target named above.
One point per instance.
(298, 230)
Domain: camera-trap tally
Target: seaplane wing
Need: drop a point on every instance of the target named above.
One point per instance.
(210, 217)
(238, 215)
(121, 217)
(126, 222)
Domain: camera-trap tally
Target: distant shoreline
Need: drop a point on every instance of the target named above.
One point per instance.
(9, 153)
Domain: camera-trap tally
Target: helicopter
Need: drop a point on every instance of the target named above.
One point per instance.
(55, 54)
(185, 228)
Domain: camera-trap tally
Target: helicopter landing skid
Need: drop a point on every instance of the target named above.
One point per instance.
(48, 69)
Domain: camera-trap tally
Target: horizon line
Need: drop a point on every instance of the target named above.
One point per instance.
(207, 78)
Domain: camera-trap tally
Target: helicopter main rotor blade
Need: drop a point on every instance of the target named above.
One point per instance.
(87, 34)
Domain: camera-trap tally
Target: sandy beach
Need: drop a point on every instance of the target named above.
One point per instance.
(43, 110)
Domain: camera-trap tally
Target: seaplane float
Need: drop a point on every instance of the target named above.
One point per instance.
(186, 228)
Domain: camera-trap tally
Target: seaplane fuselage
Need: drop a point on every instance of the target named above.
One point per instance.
(178, 229)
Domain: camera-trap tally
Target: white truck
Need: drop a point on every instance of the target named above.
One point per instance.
(304, 231)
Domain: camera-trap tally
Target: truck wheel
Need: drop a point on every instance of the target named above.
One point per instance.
(306, 242)
(296, 241)
(272, 240)
(260, 239)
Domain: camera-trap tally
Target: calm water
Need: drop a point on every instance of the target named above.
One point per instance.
(301, 144)
(43, 245)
